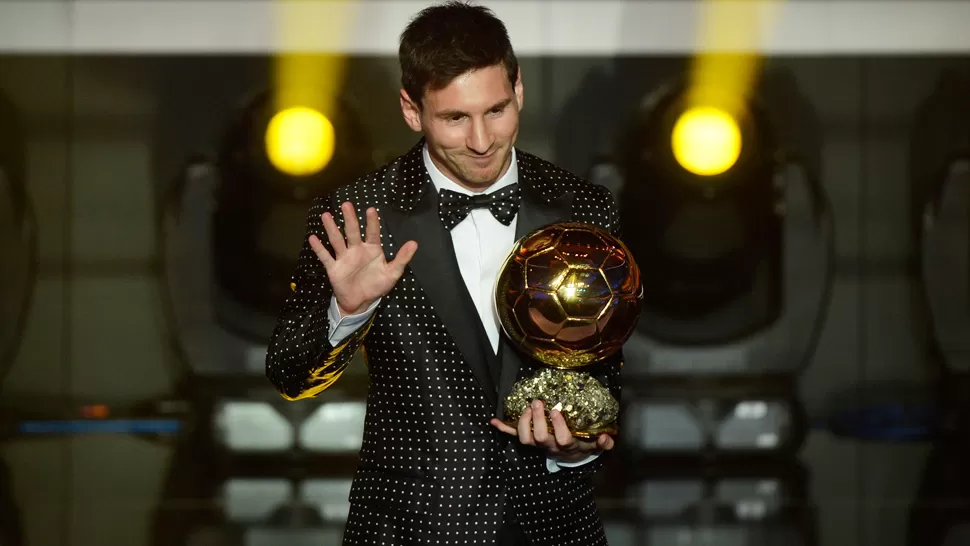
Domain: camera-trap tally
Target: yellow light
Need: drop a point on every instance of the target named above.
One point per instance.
(706, 141)
(299, 141)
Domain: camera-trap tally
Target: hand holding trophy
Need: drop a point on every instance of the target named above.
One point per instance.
(568, 295)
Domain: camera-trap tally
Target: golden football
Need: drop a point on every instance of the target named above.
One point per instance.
(569, 295)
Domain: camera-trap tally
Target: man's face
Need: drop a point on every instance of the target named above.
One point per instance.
(470, 125)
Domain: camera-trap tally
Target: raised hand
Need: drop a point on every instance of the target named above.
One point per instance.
(358, 272)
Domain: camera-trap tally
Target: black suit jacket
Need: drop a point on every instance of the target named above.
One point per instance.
(431, 468)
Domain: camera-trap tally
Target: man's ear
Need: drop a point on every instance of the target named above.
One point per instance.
(519, 95)
(411, 111)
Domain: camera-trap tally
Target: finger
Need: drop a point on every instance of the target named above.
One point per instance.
(404, 255)
(524, 425)
(605, 442)
(351, 225)
(333, 234)
(503, 427)
(317, 246)
(540, 427)
(373, 234)
(564, 438)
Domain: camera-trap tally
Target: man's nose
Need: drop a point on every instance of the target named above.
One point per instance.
(480, 140)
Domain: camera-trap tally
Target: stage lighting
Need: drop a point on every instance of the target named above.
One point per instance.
(255, 469)
(725, 210)
(259, 427)
(17, 235)
(299, 141)
(256, 505)
(940, 182)
(766, 504)
(732, 418)
(273, 472)
(703, 211)
(714, 146)
(233, 227)
(706, 140)
(260, 215)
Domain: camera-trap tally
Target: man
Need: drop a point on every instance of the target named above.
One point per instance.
(436, 466)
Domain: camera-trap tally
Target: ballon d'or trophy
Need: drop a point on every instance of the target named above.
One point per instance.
(569, 296)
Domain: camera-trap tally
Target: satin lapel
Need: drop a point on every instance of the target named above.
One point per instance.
(534, 213)
(436, 269)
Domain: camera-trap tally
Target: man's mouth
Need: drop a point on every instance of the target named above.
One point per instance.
(482, 158)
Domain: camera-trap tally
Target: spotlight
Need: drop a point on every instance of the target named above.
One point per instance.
(234, 225)
(270, 167)
(721, 201)
(703, 210)
(710, 145)
(299, 141)
(706, 140)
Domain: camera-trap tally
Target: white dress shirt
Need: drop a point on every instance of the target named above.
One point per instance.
(481, 245)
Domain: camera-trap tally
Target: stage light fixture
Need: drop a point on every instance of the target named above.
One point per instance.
(713, 145)
(233, 225)
(737, 418)
(723, 201)
(300, 141)
(670, 502)
(701, 205)
(706, 140)
(254, 426)
(271, 165)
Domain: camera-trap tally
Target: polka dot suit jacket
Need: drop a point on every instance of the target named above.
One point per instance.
(432, 471)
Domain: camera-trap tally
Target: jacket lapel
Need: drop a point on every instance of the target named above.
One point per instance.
(414, 216)
(540, 206)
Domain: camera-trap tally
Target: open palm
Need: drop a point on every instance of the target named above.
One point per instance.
(358, 272)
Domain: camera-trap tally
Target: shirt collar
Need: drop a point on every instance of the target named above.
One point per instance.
(440, 181)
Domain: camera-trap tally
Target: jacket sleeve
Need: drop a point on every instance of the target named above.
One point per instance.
(300, 361)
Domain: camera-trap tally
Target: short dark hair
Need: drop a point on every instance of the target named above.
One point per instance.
(447, 40)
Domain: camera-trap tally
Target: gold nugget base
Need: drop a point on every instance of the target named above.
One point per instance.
(611, 429)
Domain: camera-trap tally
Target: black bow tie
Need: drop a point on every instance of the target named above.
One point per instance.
(453, 207)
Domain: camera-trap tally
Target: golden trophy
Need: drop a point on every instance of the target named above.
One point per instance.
(568, 295)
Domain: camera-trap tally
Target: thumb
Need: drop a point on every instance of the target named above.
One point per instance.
(605, 442)
(404, 255)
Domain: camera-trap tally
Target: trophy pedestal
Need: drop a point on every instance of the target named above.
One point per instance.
(587, 406)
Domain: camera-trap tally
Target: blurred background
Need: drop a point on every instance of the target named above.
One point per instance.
(794, 179)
